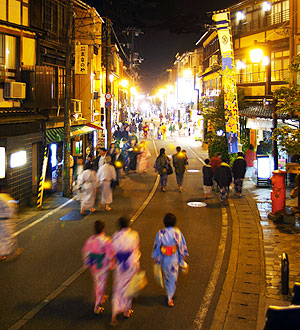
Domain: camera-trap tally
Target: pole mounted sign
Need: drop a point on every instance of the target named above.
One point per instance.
(81, 59)
(108, 96)
(107, 104)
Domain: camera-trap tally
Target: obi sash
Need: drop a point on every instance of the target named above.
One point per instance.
(95, 259)
(168, 250)
(122, 258)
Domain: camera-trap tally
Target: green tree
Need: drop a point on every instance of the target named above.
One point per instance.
(288, 105)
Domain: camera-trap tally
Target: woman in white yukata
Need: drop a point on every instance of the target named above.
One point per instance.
(88, 182)
(106, 173)
(169, 251)
(126, 247)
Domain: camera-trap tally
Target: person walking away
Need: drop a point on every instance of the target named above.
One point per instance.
(160, 166)
(88, 184)
(186, 157)
(208, 175)
(140, 127)
(126, 246)
(151, 129)
(223, 177)
(238, 170)
(8, 242)
(98, 255)
(170, 251)
(118, 163)
(106, 174)
(132, 155)
(111, 151)
(145, 130)
(180, 165)
(250, 157)
(143, 158)
(215, 161)
(172, 129)
(117, 134)
(163, 130)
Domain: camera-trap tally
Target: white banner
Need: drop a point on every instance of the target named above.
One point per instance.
(81, 59)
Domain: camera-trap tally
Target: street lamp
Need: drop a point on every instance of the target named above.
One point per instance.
(257, 56)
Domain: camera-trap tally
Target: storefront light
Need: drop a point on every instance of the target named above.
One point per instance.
(266, 6)
(240, 16)
(124, 83)
(187, 73)
(256, 55)
(2, 162)
(111, 78)
(53, 148)
(265, 61)
(18, 159)
(240, 65)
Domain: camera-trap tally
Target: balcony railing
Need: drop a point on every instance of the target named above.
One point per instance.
(259, 77)
(261, 22)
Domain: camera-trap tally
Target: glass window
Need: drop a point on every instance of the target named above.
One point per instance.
(61, 83)
(3, 10)
(10, 52)
(25, 15)
(14, 11)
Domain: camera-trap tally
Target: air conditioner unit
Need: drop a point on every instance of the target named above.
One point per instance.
(14, 90)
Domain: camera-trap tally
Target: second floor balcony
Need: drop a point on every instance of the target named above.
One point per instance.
(261, 77)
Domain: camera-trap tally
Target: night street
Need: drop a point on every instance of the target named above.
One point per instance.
(52, 255)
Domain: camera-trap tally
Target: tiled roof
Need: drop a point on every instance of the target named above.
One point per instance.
(256, 110)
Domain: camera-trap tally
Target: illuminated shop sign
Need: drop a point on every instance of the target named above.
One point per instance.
(18, 159)
(2, 162)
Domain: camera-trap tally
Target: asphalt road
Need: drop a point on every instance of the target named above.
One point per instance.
(52, 255)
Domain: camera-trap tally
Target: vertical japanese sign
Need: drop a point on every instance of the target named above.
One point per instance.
(81, 59)
(228, 80)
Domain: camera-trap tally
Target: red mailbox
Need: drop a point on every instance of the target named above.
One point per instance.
(278, 192)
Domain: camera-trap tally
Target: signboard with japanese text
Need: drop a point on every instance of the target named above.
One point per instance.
(228, 80)
(81, 59)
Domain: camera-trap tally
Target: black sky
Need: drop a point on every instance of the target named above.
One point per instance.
(169, 26)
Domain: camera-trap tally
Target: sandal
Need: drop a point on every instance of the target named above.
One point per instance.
(98, 310)
(113, 323)
(171, 303)
(2, 258)
(128, 314)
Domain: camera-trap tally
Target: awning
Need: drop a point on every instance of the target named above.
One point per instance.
(95, 125)
(57, 134)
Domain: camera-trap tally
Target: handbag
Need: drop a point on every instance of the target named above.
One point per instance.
(113, 183)
(136, 284)
(169, 169)
(158, 274)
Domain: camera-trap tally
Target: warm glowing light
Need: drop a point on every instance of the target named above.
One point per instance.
(118, 164)
(240, 65)
(266, 60)
(169, 88)
(266, 6)
(111, 78)
(162, 91)
(133, 91)
(18, 159)
(256, 55)
(187, 73)
(240, 16)
(53, 148)
(124, 83)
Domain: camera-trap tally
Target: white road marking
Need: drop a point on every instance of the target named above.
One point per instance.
(45, 216)
(28, 316)
(209, 292)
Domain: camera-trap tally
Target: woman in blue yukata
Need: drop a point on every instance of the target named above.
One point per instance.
(169, 251)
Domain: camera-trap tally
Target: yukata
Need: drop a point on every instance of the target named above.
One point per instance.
(143, 159)
(98, 255)
(126, 246)
(223, 177)
(239, 170)
(106, 173)
(179, 163)
(145, 130)
(88, 182)
(169, 251)
(8, 243)
(125, 148)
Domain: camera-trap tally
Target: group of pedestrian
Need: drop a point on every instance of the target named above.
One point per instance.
(163, 167)
(121, 253)
(218, 170)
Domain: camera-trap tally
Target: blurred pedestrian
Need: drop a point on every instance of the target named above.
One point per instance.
(223, 177)
(146, 130)
(208, 175)
(161, 165)
(143, 157)
(118, 162)
(170, 251)
(101, 158)
(106, 173)
(88, 183)
(8, 242)
(163, 129)
(215, 161)
(151, 129)
(98, 255)
(126, 246)
(180, 165)
(133, 152)
(238, 170)
(250, 157)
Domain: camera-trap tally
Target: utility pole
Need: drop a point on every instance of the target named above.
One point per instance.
(108, 83)
(67, 139)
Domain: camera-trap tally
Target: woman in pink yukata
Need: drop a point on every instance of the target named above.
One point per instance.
(98, 255)
(126, 245)
(169, 251)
